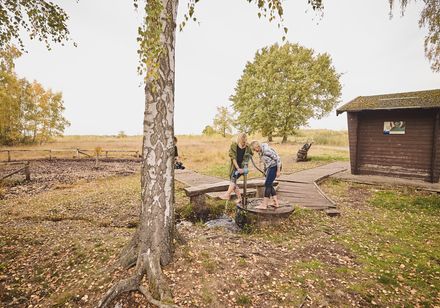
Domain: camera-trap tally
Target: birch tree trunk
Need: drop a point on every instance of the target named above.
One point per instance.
(156, 226)
(152, 244)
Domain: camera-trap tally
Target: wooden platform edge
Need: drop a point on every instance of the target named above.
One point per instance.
(220, 186)
(320, 180)
(373, 183)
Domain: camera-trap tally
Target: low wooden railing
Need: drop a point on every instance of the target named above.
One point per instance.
(50, 153)
(25, 168)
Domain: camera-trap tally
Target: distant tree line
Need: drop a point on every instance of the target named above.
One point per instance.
(28, 112)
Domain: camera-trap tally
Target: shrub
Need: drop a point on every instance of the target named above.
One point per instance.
(121, 134)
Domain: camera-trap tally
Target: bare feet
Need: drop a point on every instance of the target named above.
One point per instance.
(261, 207)
(275, 205)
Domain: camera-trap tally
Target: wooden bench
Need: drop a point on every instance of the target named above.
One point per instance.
(250, 192)
(197, 194)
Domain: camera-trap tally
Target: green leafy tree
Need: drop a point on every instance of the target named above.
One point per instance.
(152, 244)
(223, 121)
(283, 88)
(208, 131)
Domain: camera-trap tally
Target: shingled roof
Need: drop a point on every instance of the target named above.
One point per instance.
(408, 100)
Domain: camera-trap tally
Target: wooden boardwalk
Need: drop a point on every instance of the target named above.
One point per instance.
(191, 178)
(299, 188)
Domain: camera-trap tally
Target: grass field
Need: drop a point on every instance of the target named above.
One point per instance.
(208, 155)
(57, 247)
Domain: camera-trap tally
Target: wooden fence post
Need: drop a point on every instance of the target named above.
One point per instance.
(50, 154)
(9, 156)
(27, 171)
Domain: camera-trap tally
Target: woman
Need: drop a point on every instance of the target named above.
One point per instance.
(272, 168)
(239, 153)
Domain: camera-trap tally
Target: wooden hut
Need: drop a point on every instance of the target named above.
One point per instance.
(395, 134)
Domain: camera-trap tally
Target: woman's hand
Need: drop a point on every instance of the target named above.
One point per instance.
(241, 171)
(278, 173)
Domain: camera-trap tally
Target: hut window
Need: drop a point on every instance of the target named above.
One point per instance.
(394, 127)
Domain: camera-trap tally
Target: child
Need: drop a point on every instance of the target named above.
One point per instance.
(272, 167)
(177, 163)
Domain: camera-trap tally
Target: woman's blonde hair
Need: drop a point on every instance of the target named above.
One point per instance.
(241, 136)
(254, 143)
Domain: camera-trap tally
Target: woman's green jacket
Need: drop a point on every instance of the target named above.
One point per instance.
(233, 155)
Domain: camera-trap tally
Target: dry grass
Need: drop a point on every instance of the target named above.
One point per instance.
(209, 155)
(197, 151)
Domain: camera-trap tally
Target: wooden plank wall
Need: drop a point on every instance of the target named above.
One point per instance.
(436, 151)
(352, 119)
(408, 155)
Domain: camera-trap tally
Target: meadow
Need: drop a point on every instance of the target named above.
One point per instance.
(205, 154)
(58, 247)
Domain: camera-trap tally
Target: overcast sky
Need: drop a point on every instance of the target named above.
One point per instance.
(102, 91)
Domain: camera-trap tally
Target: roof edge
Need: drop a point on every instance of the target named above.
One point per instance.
(338, 112)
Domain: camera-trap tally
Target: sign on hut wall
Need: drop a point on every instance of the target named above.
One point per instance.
(394, 127)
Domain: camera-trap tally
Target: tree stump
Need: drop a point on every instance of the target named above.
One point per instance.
(249, 215)
(302, 153)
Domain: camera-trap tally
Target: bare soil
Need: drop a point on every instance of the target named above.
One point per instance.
(56, 174)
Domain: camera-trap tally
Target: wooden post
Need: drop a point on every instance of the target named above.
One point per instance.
(260, 192)
(9, 156)
(435, 144)
(244, 198)
(27, 171)
(50, 154)
(198, 201)
(77, 153)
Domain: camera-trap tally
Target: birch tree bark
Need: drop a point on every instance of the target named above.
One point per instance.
(152, 245)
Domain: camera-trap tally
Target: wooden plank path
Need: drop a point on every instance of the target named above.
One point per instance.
(315, 174)
(299, 188)
(191, 178)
